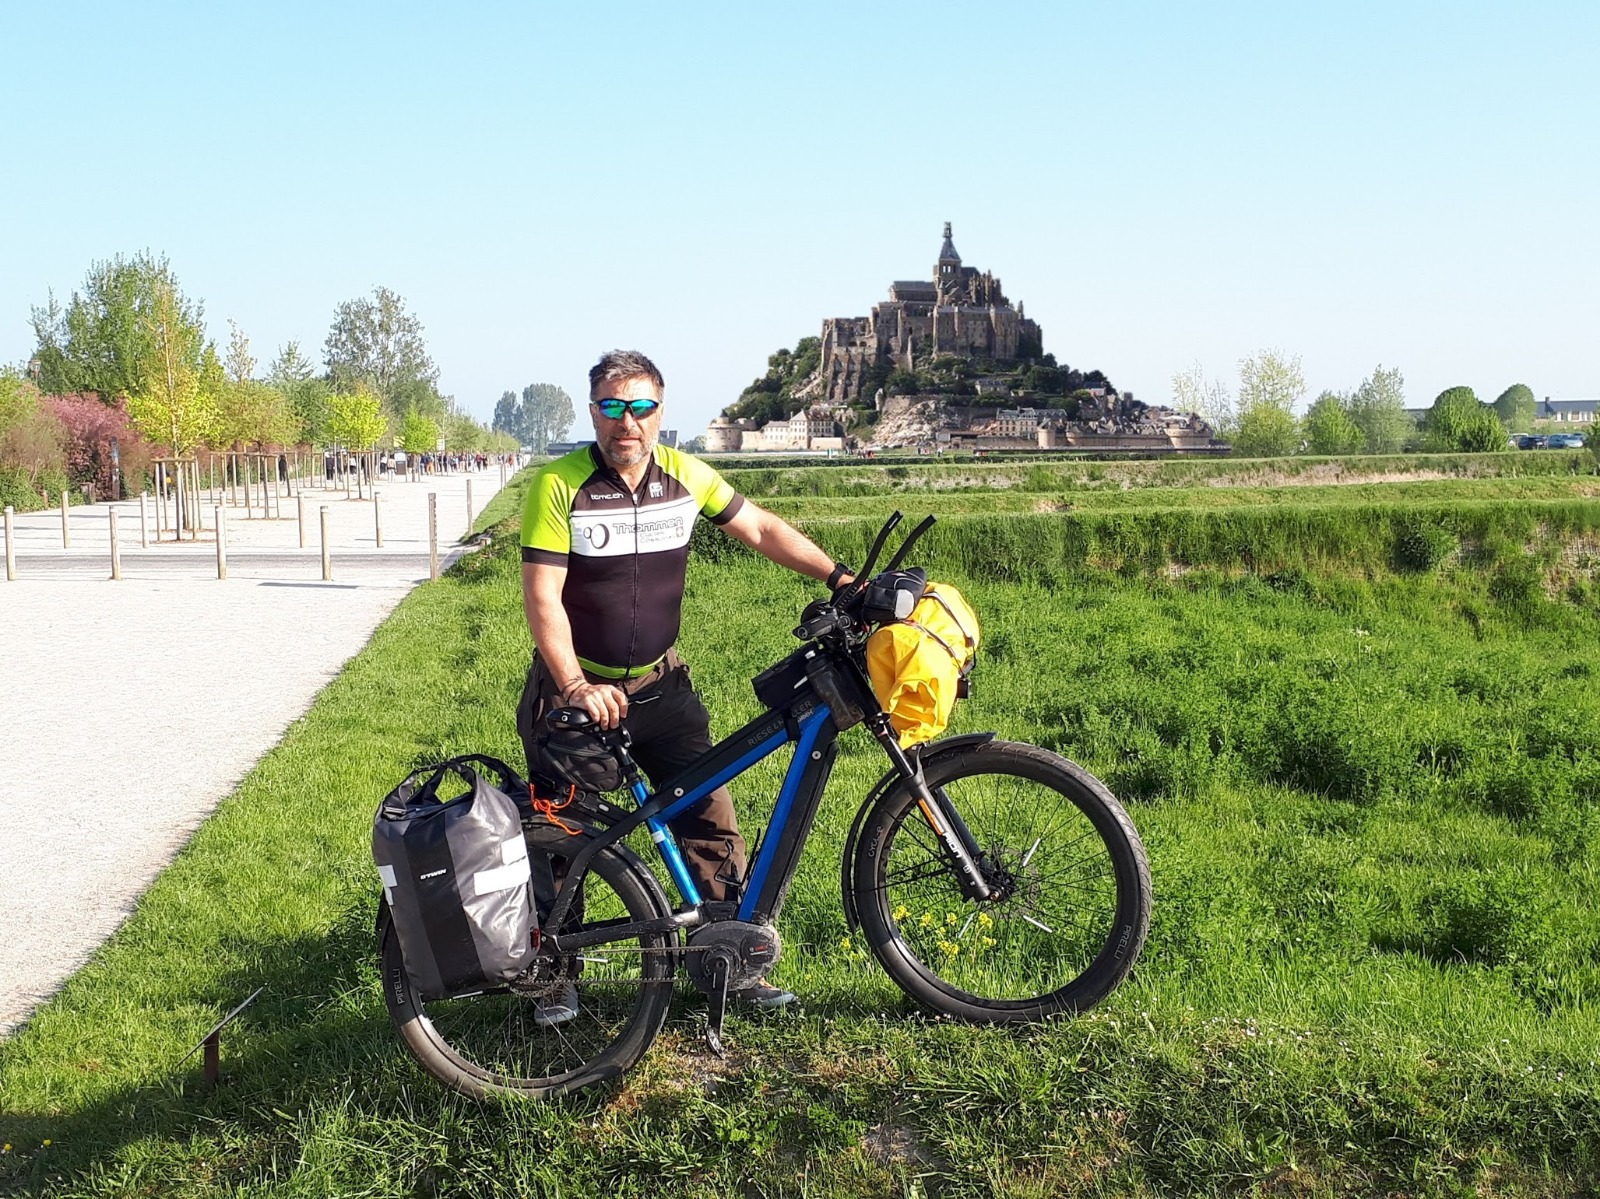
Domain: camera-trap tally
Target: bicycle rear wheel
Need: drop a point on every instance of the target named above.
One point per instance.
(1072, 888)
(492, 1042)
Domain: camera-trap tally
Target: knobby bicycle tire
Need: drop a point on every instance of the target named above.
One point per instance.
(1072, 904)
(490, 1043)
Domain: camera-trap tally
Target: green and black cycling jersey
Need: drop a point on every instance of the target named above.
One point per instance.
(626, 552)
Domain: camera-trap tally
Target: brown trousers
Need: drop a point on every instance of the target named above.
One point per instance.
(670, 728)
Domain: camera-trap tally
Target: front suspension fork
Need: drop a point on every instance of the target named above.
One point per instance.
(960, 850)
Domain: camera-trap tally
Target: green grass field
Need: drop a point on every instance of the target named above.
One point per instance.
(1359, 737)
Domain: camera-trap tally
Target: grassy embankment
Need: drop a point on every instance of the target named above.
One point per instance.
(1362, 745)
(876, 478)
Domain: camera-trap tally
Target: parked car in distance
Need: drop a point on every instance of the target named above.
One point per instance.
(1564, 441)
(1527, 441)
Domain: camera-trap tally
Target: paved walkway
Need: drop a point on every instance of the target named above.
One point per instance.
(129, 708)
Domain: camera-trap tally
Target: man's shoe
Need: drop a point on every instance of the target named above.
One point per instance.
(559, 1008)
(763, 994)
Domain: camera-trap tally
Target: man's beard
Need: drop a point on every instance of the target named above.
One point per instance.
(624, 458)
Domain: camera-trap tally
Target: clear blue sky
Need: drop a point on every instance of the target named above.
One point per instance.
(1409, 184)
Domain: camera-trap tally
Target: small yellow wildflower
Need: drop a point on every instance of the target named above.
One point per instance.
(926, 921)
(985, 920)
(901, 912)
(950, 948)
(949, 917)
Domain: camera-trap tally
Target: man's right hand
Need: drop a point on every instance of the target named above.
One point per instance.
(605, 703)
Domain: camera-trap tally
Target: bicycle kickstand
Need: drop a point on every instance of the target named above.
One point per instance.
(717, 1007)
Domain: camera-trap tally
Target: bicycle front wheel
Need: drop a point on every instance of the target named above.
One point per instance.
(505, 1040)
(1071, 888)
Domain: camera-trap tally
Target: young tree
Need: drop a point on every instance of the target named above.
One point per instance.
(355, 419)
(1515, 407)
(1378, 407)
(289, 367)
(239, 365)
(1270, 385)
(19, 398)
(292, 373)
(1329, 429)
(1457, 421)
(418, 434)
(176, 405)
(1193, 392)
(463, 433)
(254, 414)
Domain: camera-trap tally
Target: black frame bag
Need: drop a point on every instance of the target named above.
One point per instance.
(574, 757)
(456, 877)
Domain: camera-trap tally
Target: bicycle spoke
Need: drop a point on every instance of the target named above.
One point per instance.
(1056, 890)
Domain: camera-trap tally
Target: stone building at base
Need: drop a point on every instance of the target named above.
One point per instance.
(809, 430)
(961, 312)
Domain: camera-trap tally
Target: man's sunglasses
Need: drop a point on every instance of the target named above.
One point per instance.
(612, 408)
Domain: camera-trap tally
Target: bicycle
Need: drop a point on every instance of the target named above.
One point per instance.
(993, 881)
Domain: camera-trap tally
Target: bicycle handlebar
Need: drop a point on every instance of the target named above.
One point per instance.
(829, 620)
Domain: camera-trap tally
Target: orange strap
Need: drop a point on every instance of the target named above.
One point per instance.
(549, 807)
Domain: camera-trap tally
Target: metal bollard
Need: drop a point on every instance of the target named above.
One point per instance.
(116, 549)
(327, 562)
(377, 518)
(301, 503)
(433, 535)
(66, 531)
(11, 554)
(469, 507)
(144, 520)
(222, 541)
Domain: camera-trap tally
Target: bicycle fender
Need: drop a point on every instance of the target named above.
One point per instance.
(924, 756)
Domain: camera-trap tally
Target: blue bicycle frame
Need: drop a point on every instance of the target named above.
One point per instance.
(809, 725)
(810, 733)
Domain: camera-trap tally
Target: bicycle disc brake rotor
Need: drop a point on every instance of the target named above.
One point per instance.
(1010, 878)
(750, 950)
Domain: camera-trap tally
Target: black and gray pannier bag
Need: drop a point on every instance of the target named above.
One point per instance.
(456, 877)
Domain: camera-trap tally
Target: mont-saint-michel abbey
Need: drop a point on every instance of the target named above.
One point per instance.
(962, 313)
(949, 363)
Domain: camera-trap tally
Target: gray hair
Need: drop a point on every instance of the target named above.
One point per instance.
(617, 365)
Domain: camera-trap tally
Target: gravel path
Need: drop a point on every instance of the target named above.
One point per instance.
(117, 733)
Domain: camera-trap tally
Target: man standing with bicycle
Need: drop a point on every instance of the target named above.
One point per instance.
(605, 547)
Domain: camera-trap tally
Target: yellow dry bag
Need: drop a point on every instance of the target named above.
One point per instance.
(919, 665)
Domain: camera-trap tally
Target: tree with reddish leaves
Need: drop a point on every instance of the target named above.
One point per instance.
(89, 427)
